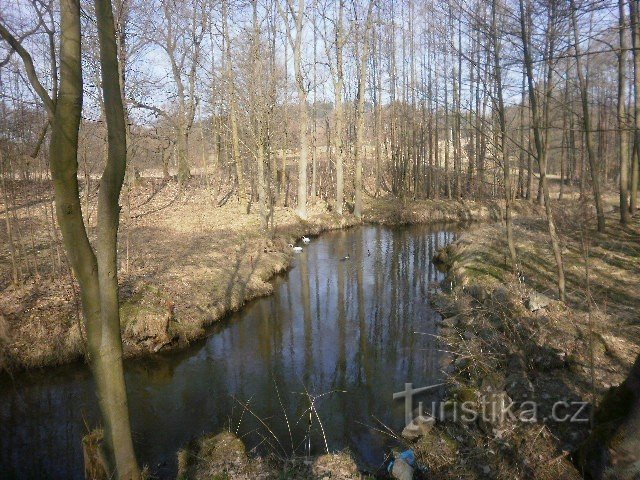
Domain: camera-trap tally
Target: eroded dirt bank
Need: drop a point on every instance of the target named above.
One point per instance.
(510, 343)
(185, 263)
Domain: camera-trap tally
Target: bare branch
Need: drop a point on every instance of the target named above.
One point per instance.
(30, 69)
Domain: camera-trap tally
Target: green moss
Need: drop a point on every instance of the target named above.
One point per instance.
(465, 394)
(485, 273)
(140, 304)
(131, 312)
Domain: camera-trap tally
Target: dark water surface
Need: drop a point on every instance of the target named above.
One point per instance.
(345, 327)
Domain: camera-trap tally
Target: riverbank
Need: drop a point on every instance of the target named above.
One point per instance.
(185, 263)
(511, 340)
(224, 456)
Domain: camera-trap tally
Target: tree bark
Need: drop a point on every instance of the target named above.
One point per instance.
(96, 271)
(242, 190)
(584, 96)
(540, 150)
(15, 277)
(623, 145)
(634, 14)
(497, 68)
(298, 15)
(362, 79)
(105, 342)
(339, 108)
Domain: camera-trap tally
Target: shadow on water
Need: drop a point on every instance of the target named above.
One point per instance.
(332, 325)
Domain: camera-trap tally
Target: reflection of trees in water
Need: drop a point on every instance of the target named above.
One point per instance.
(44, 411)
(308, 369)
(346, 325)
(156, 371)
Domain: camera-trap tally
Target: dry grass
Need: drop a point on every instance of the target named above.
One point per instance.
(392, 211)
(223, 457)
(565, 352)
(185, 263)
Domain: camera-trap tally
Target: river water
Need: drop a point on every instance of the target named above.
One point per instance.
(346, 334)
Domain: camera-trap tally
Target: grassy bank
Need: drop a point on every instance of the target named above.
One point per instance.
(223, 456)
(501, 350)
(185, 263)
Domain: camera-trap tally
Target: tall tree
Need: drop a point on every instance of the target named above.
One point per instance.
(363, 61)
(241, 184)
(295, 37)
(96, 270)
(496, 47)
(260, 106)
(634, 14)
(541, 152)
(623, 148)
(334, 51)
(586, 120)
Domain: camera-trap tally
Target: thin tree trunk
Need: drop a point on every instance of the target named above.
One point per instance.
(303, 121)
(540, 150)
(634, 7)
(339, 109)
(96, 271)
(503, 135)
(15, 277)
(593, 165)
(258, 101)
(623, 145)
(105, 342)
(241, 184)
(362, 79)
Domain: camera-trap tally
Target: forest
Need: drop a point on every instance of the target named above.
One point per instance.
(165, 163)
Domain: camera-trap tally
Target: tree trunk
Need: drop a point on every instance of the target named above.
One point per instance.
(15, 277)
(96, 271)
(623, 152)
(634, 14)
(584, 95)
(242, 190)
(362, 79)
(303, 120)
(184, 171)
(105, 342)
(339, 110)
(540, 150)
(497, 68)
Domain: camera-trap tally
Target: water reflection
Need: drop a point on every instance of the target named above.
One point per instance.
(331, 325)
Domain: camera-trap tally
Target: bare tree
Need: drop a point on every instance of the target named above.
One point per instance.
(96, 270)
(180, 35)
(336, 66)
(623, 151)
(363, 61)
(295, 36)
(634, 15)
(241, 184)
(497, 73)
(541, 152)
(586, 120)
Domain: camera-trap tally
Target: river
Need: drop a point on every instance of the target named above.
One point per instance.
(347, 333)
